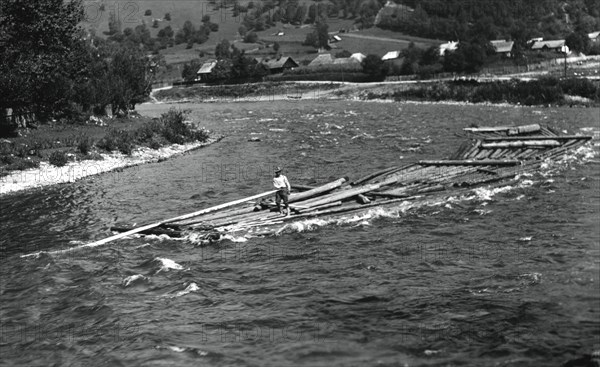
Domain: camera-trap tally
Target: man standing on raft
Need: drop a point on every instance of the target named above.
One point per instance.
(283, 187)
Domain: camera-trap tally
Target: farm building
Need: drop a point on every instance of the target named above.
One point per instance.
(358, 56)
(335, 38)
(391, 55)
(279, 65)
(206, 69)
(555, 45)
(503, 47)
(448, 46)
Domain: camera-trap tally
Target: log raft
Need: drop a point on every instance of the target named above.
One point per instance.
(491, 155)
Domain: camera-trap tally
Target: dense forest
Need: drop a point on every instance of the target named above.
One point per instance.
(518, 20)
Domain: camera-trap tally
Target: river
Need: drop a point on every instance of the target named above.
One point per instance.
(506, 276)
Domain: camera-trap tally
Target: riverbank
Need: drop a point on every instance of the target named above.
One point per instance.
(47, 174)
(541, 91)
(53, 154)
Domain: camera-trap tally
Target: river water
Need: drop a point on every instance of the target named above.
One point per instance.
(505, 276)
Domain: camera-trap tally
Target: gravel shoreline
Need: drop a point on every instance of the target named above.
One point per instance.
(47, 174)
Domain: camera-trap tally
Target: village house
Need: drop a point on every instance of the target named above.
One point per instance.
(448, 46)
(278, 65)
(322, 59)
(503, 47)
(358, 56)
(594, 37)
(391, 55)
(335, 38)
(553, 45)
(205, 70)
(393, 58)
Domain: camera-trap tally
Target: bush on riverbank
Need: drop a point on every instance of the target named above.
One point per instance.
(170, 128)
(58, 158)
(58, 143)
(536, 92)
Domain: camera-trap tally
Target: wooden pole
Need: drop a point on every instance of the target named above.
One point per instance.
(316, 191)
(521, 144)
(485, 162)
(560, 137)
(379, 173)
(149, 226)
(345, 194)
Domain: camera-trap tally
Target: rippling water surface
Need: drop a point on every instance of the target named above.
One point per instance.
(501, 276)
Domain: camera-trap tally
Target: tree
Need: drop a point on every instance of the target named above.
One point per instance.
(148, 12)
(276, 46)
(251, 37)
(468, 57)
(242, 30)
(186, 33)
(311, 39)
(42, 55)
(114, 25)
(430, 56)
(222, 50)
(322, 34)
(221, 71)
(168, 17)
(578, 41)
(373, 65)
(190, 71)
(166, 32)
(300, 14)
(312, 14)
(130, 75)
(155, 24)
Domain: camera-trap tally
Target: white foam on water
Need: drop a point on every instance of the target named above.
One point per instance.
(132, 278)
(161, 238)
(486, 194)
(167, 264)
(526, 183)
(531, 278)
(192, 287)
(234, 238)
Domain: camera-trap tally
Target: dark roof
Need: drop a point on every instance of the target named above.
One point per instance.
(279, 63)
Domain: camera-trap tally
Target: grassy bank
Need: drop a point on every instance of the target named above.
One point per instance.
(59, 144)
(543, 91)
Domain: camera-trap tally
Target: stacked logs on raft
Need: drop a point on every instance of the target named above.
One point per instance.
(499, 153)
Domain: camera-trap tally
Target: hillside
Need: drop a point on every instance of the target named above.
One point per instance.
(152, 13)
(364, 26)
